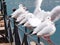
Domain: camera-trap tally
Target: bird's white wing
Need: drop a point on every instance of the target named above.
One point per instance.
(24, 18)
(26, 24)
(55, 14)
(34, 21)
(37, 6)
(38, 3)
(20, 18)
(22, 22)
(47, 31)
(39, 27)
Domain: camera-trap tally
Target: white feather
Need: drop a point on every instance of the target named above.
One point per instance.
(23, 21)
(37, 6)
(55, 14)
(46, 28)
(34, 21)
(26, 24)
(25, 16)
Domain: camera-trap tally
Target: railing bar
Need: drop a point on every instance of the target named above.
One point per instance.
(29, 36)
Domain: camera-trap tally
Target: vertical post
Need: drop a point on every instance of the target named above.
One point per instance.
(1, 6)
(39, 40)
(10, 32)
(16, 35)
(25, 38)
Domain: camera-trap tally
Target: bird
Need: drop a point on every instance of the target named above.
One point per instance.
(37, 8)
(48, 25)
(41, 14)
(19, 11)
(34, 21)
(22, 9)
(21, 16)
(53, 16)
(45, 29)
(24, 17)
(38, 14)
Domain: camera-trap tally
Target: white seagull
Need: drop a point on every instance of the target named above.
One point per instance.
(19, 11)
(24, 17)
(47, 28)
(39, 15)
(36, 14)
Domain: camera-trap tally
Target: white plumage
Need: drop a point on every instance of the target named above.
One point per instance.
(21, 16)
(34, 21)
(19, 11)
(39, 17)
(28, 15)
(44, 21)
(24, 17)
(55, 15)
(45, 28)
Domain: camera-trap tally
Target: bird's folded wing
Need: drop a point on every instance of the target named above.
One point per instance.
(39, 27)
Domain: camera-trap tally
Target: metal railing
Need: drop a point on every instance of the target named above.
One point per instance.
(26, 34)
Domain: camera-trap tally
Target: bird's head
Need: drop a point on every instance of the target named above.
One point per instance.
(22, 7)
(48, 18)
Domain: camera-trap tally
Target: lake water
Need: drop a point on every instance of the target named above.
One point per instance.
(47, 5)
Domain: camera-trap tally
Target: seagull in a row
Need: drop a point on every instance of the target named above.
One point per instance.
(24, 17)
(26, 14)
(39, 17)
(48, 24)
(47, 27)
(19, 11)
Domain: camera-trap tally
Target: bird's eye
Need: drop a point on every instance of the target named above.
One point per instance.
(48, 18)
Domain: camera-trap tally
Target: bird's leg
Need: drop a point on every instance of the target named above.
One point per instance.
(39, 39)
(29, 26)
(47, 38)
